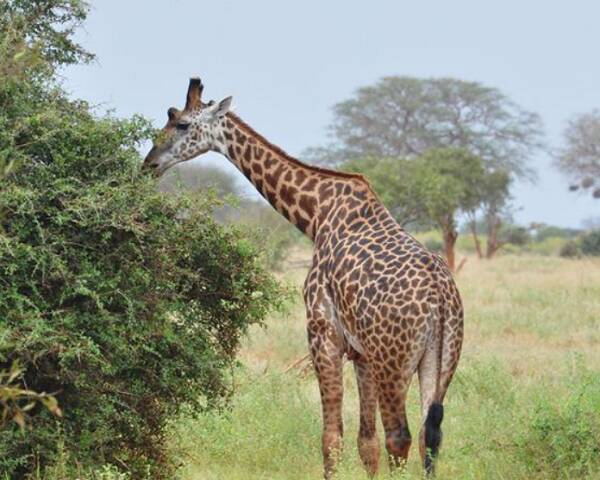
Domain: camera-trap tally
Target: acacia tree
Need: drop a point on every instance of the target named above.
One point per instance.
(404, 117)
(492, 191)
(579, 158)
(447, 180)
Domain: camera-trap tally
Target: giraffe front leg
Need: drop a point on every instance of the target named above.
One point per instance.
(368, 443)
(327, 357)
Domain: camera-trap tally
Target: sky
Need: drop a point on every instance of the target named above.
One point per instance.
(287, 63)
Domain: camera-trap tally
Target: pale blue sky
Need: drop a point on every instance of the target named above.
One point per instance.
(287, 63)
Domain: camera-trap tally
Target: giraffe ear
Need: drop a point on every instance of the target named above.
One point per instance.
(223, 107)
(172, 113)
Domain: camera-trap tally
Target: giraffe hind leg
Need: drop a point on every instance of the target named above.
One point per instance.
(368, 443)
(392, 403)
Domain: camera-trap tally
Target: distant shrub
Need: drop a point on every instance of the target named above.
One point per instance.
(548, 231)
(515, 235)
(570, 250)
(548, 247)
(466, 244)
(434, 245)
(590, 243)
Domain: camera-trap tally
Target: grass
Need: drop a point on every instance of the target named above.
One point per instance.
(525, 403)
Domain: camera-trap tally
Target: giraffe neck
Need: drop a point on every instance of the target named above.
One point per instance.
(301, 193)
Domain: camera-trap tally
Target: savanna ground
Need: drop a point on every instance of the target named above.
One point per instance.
(525, 402)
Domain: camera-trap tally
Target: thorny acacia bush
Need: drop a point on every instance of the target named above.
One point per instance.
(124, 302)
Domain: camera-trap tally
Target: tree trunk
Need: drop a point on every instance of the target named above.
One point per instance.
(493, 244)
(450, 235)
(473, 225)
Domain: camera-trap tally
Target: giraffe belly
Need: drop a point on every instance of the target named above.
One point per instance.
(353, 347)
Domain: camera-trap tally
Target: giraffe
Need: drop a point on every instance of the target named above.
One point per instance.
(373, 293)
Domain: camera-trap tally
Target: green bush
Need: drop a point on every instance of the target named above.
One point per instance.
(516, 235)
(109, 301)
(564, 437)
(547, 231)
(590, 243)
(570, 250)
(434, 245)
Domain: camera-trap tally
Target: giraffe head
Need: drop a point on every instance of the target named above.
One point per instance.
(189, 132)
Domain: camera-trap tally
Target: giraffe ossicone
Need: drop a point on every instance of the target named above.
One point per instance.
(373, 293)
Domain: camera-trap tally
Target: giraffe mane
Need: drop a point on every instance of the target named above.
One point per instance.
(278, 150)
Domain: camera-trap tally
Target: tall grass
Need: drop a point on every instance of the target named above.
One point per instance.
(525, 402)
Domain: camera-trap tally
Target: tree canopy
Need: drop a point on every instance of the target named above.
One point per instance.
(579, 158)
(402, 117)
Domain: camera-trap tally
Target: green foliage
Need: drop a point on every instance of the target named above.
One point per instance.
(42, 29)
(403, 116)
(493, 190)
(570, 249)
(111, 302)
(121, 301)
(434, 245)
(393, 180)
(448, 180)
(35, 39)
(545, 231)
(515, 235)
(590, 243)
(579, 158)
(564, 438)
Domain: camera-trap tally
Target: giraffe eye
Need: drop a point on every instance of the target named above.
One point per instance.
(183, 125)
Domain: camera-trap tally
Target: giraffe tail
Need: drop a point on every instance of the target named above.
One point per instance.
(435, 413)
(433, 434)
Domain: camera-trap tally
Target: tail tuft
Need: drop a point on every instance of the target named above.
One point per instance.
(433, 434)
